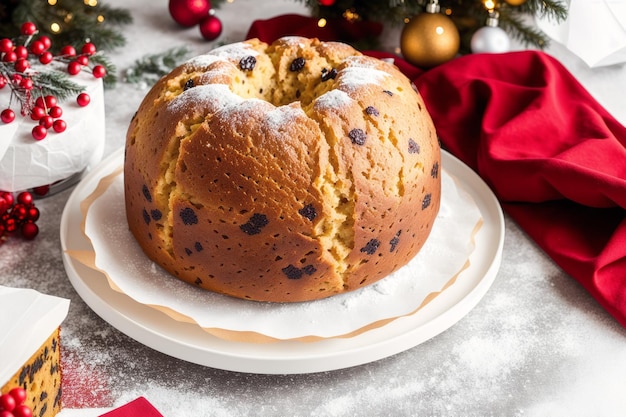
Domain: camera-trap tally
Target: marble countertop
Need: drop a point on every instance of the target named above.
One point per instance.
(536, 345)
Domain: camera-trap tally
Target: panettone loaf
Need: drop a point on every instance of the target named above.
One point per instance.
(284, 172)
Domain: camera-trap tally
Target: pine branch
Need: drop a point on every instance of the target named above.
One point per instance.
(57, 84)
(150, 68)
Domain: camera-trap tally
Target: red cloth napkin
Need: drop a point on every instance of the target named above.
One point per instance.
(554, 157)
(139, 407)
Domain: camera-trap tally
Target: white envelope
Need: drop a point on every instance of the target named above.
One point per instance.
(595, 30)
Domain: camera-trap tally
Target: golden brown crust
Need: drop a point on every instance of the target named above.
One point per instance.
(307, 171)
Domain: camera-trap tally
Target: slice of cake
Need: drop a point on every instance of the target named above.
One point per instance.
(30, 348)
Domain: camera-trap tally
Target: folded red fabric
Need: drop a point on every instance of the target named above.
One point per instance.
(137, 407)
(554, 157)
(298, 25)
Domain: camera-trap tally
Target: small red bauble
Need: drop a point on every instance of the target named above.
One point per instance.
(7, 115)
(51, 101)
(28, 28)
(39, 132)
(26, 83)
(74, 67)
(99, 71)
(19, 394)
(46, 41)
(23, 410)
(88, 48)
(21, 65)
(188, 12)
(37, 113)
(83, 99)
(7, 402)
(59, 125)
(9, 56)
(29, 231)
(46, 57)
(37, 47)
(21, 52)
(32, 213)
(82, 60)
(55, 112)
(25, 198)
(6, 45)
(68, 50)
(46, 121)
(210, 27)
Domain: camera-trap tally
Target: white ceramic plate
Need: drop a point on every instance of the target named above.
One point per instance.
(189, 342)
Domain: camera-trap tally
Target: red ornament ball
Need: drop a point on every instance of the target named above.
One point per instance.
(29, 232)
(59, 126)
(83, 99)
(210, 27)
(188, 12)
(28, 28)
(7, 115)
(39, 132)
(326, 2)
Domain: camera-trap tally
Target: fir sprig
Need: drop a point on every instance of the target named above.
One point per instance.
(57, 84)
(150, 68)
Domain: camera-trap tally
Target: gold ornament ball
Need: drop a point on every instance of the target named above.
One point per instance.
(515, 2)
(429, 39)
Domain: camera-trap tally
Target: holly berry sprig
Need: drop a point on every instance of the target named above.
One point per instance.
(17, 214)
(12, 404)
(38, 92)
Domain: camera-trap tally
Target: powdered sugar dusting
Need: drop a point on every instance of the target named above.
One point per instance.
(283, 116)
(215, 95)
(360, 72)
(201, 61)
(333, 99)
(234, 51)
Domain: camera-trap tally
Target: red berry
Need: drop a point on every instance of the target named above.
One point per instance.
(3, 81)
(37, 113)
(29, 231)
(7, 402)
(4, 206)
(47, 43)
(32, 213)
(82, 60)
(46, 121)
(37, 47)
(5, 413)
(6, 45)
(23, 410)
(18, 212)
(59, 125)
(21, 52)
(46, 57)
(25, 198)
(26, 84)
(16, 78)
(51, 101)
(99, 71)
(7, 115)
(18, 394)
(89, 48)
(74, 67)
(68, 50)
(83, 99)
(21, 65)
(39, 132)
(55, 112)
(9, 56)
(28, 28)
(8, 197)
(10, 225)
(41, 190)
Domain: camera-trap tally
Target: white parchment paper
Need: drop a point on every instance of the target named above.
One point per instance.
(444, 255)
